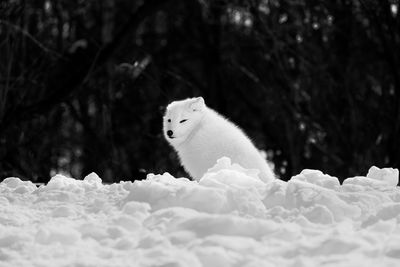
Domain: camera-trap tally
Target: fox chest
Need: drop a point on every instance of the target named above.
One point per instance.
(197, 157)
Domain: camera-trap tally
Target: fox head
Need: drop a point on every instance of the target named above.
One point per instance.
(181, 118)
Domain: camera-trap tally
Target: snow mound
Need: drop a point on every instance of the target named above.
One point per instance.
(228, 218)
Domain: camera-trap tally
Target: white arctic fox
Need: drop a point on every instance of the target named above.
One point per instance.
(201, 136)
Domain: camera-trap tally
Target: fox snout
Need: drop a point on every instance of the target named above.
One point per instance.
(170, 133)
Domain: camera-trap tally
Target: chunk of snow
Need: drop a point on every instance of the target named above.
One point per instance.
(392, 247)
(230, 178)
(318, 178)
(137, 209)
(302, 194)
(225, 163)
(92, 178)
(162, 191)
(319, 214)
(388, 175)
(60, 234)
(12, 182)
(376, 178)
(228, 218)
(364, 182)
(61, 182)
(275, 194)
(63, 211)
(389, 211)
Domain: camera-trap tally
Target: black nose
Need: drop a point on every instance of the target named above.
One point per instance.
(170, 133)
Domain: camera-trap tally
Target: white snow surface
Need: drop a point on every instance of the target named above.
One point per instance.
(228, 218)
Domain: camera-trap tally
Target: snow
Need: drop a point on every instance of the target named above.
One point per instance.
(228, 218)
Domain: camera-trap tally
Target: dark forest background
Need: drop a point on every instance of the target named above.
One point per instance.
(83, 83)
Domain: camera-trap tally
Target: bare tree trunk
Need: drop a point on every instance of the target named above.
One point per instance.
(107, 37)
(212, 55)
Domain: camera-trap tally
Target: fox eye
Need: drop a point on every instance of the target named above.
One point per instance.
(182, 121)
(169, 120)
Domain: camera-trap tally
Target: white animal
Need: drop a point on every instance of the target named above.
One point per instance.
(201, 136)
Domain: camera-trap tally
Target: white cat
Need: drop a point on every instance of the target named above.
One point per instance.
(201, 136)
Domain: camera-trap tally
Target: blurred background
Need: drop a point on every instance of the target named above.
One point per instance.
(84, 83)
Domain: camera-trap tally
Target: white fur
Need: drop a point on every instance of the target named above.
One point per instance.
(206, 136)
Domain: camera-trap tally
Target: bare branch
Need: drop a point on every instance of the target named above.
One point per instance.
(33, 39)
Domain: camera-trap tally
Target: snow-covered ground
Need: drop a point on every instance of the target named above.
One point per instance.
(228, 218)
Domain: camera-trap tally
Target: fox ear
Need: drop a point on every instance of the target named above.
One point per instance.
(197, 104)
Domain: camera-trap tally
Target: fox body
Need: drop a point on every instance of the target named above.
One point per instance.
(201, 136)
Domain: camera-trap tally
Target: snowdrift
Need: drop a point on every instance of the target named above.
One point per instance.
(228, 218)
